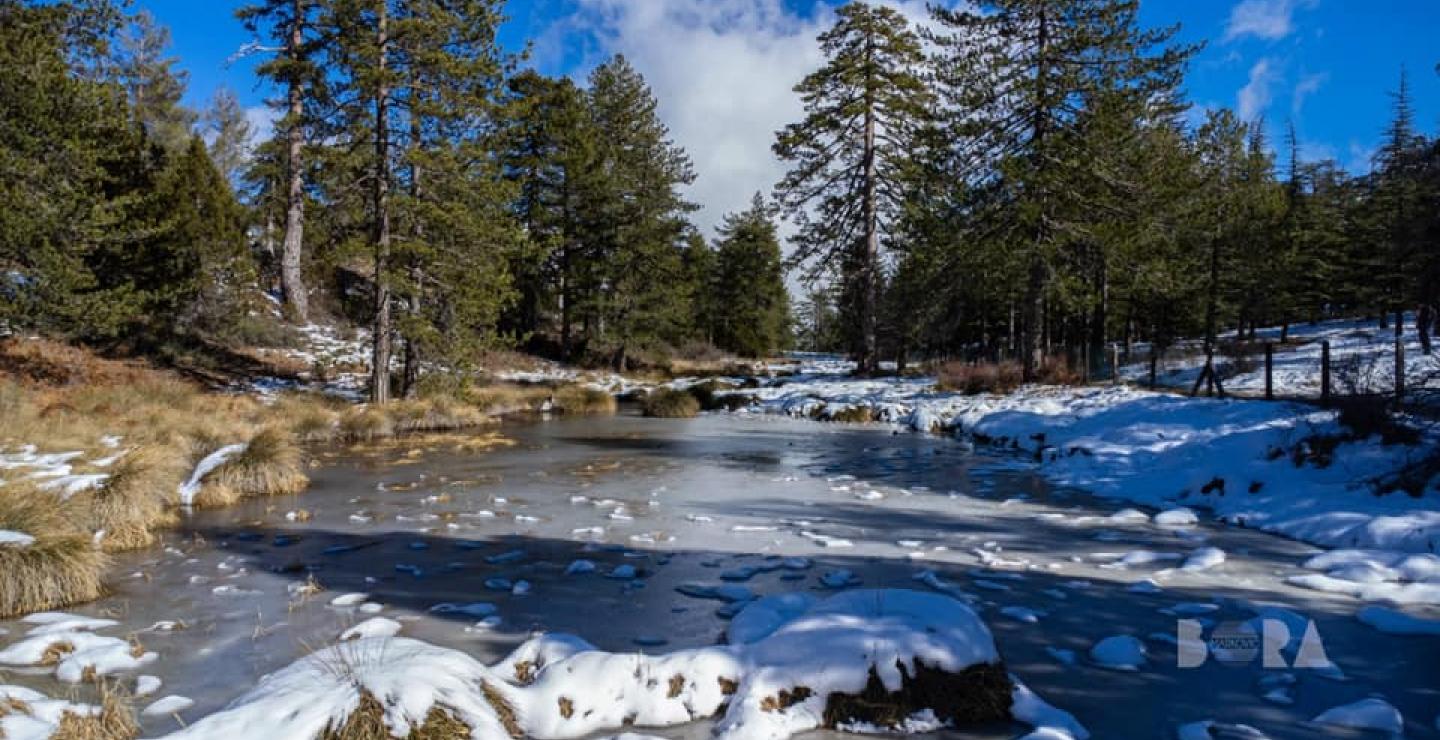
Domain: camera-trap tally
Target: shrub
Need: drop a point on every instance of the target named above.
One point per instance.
(852, 414)
(365, 424)
(367, 722)
(668, 403)
(984, 377)
(581, 399)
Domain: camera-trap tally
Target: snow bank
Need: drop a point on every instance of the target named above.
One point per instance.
(1169, 452)
(788, 656)
(191, 487)
(32, 715)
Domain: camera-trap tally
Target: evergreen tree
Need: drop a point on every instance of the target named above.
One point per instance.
(637, 225)
(230, 132)
(65, 148)
(863, 109)
(293, 26)
(751, 306)
(1017, 74)
(154, 84)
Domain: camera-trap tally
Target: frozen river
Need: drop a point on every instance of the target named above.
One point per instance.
(677, 516)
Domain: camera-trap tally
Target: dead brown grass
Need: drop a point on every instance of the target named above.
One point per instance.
(132, 503)
(114, 721)
(580, 399)
(975, 378)
(60, 568)
(270, 465)
(668, 403)
(367, 722)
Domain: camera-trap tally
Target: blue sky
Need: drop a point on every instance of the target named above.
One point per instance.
(722, 68)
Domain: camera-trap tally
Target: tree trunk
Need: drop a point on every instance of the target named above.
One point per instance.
(1034, 305)
(866, 357)
(292, 283)
(410, 375)
(380, 360)
(1424, 320)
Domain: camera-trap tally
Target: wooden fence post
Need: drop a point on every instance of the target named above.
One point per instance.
(1325, 371)
(1269, 371)
(1399, 374)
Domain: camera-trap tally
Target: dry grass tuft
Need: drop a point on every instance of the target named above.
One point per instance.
(367, 722)
(270, 465)
(131, 504)
(668, 403)
(114, 721)
(580, 399)
(60, 568)
(365, 424)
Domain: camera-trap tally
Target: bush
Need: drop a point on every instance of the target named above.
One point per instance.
(984, 377)
(668, 403)
(269, 465)
(579, 399)
(130, 504)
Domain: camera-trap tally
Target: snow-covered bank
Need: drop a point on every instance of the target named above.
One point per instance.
(1362, 355)
(1232, 457)
(782, 680)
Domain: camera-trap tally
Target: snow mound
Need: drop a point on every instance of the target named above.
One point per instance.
(1366, 714)
(1120, 653)
(793, 665)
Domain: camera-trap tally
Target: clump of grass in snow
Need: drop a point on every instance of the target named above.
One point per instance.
(127, 507)
(60, 568)
(668, 403)
(505, 398)
(270, 465)
(580, 399)
(367, 722)
(435, 414)
(114, 721)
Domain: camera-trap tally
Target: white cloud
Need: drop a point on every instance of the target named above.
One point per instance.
(1308, 85)
(1266, 19)
(262, 120)
(1254, 98)
(723, 72)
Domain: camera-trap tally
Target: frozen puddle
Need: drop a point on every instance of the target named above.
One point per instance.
(731, 527)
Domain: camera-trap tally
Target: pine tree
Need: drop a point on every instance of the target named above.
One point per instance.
(154, 84)
(862, 111)
(66, 148)
(1396, 209)
(638, 221)
(551, 155)
(751, 307)
(230, 133)
(1016, 74)
(293, 26)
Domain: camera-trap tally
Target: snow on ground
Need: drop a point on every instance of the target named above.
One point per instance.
(1230, 457)
(31, 715)
(792, 656)
(68, 644)
(54, 471)
(1360, 352)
